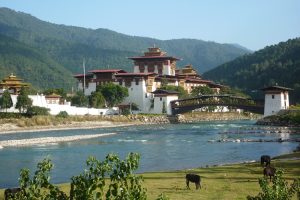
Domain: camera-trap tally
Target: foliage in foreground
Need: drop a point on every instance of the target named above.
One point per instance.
(278, 190)
(123, 184)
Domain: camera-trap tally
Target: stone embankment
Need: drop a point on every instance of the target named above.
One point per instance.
(189, 118)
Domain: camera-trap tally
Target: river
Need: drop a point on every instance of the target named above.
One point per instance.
(162, 147)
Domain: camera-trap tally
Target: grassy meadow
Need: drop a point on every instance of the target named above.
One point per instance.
(227, 182)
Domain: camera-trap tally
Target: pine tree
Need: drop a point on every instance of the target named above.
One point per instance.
(6, 101)
(23, 101)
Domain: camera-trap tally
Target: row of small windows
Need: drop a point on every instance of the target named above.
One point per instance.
(128, 83)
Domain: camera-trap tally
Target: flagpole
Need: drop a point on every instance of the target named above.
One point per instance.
(83, 65)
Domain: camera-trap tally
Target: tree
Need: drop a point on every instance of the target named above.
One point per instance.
(36, 110)
(23, 101)
(97, 100)
(233, 92)
(79, 99)
(6, 101)
(113, 93)
(202, 90)
(182, 92)
(164, 110)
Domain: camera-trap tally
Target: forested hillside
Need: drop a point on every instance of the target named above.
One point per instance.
(36, 68)
(103, 48)
(277, 64)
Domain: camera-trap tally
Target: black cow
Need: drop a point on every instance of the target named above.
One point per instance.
(194, 178)
(265, 159)
(269, 171)
(11, 192)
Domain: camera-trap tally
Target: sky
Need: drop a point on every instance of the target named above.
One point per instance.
(253, 24)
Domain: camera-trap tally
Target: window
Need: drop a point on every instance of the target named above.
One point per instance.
(146, 95)
(136, 81)
(142, 68)
(127, 83)
(160, 98)
(120, 82)
(273, 96)
(151, 68)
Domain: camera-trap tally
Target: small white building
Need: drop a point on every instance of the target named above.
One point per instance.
(276, 99)
(162, 99)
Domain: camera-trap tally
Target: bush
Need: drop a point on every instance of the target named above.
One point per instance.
(36, 110)
(278, 190)
(123, 183)
(62, 114)
(10, 115)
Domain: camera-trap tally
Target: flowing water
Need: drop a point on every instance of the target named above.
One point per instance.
(162, 147)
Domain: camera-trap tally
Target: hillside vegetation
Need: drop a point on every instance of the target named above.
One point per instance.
(37, 68)
(277, 64)
(103, 48)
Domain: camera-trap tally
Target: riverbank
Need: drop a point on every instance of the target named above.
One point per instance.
(226, 182)
(45, 123)
(287, 118)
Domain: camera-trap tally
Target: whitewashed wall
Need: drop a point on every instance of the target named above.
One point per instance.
(137, 95)
(158, 104)
(40, 100)
(273, 105)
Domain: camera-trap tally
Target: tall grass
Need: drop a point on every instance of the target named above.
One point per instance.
(48, 120)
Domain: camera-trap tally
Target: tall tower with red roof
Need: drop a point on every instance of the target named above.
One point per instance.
(155, 61)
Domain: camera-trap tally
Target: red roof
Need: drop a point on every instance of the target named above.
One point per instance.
(195, 80)
(108, 71)
(135, 74)
(81, 75)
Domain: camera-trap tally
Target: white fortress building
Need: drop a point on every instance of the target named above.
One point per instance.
(276, 99)
(150, 72)
(53, 102)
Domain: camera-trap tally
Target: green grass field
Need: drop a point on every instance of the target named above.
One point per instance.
(221, 182)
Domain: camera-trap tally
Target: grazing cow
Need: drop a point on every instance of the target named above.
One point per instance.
(194, 178)
(269, 171)
(265, 159)
(11, 192)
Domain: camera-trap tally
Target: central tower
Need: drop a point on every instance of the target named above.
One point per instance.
(155, 61)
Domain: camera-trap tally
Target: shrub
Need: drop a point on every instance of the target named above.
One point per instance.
(123, 184)
(278, 190)
(10, 115)
(62, 114)
(36, 110)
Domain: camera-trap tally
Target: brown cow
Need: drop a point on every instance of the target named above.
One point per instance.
(269, 171)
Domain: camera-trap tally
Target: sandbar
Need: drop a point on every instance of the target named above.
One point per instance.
(45, 140)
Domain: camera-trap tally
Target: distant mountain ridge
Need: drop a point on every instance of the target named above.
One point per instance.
(103, 48)
(276, 64)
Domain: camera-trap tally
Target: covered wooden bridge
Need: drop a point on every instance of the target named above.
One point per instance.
(185, 105)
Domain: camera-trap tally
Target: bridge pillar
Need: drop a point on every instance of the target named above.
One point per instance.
(276, 99)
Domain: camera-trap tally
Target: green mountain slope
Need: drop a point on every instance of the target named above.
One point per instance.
(36, 68)
(277, 64)
(102, 48)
